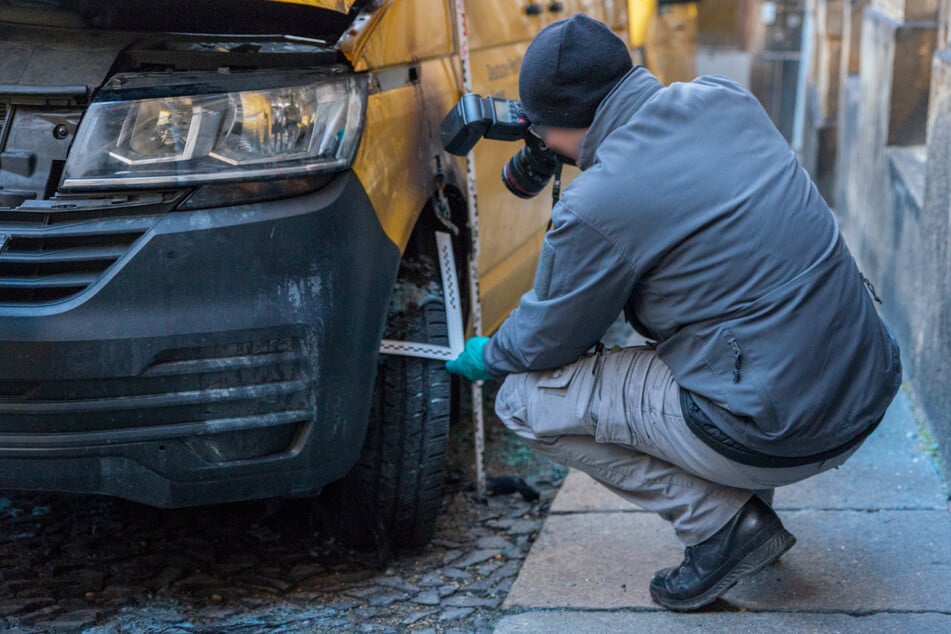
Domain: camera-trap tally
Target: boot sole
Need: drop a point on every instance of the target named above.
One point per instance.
(771, 550)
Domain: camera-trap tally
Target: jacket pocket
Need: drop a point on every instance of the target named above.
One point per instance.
(746, 383)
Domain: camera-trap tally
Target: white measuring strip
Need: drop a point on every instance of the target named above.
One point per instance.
(462, 37)
(450, 291)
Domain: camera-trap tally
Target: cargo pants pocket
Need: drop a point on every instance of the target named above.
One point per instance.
(639, 397)
(560, 401)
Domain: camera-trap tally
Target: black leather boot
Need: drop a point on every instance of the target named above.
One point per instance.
(753, 539)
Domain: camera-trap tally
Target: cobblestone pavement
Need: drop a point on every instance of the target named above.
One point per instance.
(73, 563)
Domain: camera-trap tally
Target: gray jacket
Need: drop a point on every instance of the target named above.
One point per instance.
(693, 215)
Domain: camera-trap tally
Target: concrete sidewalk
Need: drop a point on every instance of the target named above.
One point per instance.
(873, 555)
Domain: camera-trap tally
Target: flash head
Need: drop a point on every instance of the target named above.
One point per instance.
(476, 117)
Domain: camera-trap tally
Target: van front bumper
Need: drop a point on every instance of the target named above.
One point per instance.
(230, 354)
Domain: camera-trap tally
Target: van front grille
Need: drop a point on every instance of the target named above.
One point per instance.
(49, 255)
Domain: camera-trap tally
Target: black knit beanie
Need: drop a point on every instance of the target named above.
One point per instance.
(568, 69)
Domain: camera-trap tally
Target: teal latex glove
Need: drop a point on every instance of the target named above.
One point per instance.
(470, 362)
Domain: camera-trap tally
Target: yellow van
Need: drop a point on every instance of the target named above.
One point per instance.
(212, 213)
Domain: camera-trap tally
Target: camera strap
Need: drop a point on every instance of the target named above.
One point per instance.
(555, 192)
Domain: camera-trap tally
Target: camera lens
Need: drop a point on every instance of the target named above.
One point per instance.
(527, 173)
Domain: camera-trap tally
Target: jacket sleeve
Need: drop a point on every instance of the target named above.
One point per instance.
(581, 285)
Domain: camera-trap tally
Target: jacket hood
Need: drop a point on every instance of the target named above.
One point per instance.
(617, 108)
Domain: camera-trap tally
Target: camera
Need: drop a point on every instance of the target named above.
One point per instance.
(476, 117)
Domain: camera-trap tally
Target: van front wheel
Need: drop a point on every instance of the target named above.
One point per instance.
(391, 497)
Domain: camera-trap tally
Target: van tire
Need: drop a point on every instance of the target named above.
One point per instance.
(390, 499)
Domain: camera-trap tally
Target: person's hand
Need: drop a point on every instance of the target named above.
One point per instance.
(470, 362)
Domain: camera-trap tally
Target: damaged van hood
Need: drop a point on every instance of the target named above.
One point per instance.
(343, 6)
(78, 44)
(325, 20)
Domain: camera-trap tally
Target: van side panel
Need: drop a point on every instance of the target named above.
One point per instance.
(401, 32)
(396, 161)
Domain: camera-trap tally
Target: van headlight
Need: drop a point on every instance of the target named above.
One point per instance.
(202, 137)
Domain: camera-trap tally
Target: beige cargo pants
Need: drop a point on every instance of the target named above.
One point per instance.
(617, 417)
